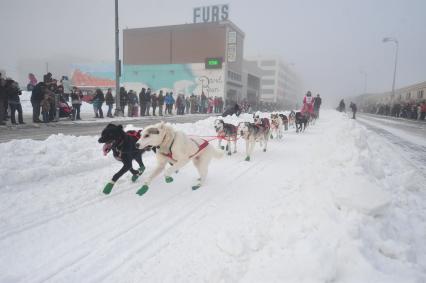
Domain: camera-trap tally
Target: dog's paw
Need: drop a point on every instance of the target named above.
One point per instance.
(108, 188)
(169, 179)
(135, 177)
(196, 187)
(247, 158)
(142, 190)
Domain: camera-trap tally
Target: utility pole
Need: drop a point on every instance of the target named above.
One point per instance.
(118, 109)
(391, 39)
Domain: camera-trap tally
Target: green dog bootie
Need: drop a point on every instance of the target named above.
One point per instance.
(196, 187)
(140, 172)
(142, 190)
(169, 179)
(247, 158)
(108, 188)
(135, 177)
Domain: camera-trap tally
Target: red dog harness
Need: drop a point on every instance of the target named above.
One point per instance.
(200, 148)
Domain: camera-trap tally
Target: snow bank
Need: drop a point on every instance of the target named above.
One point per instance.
(328, 205)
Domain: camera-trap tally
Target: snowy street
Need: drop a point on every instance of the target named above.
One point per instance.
(86, 127)
(407, 136)
(344, 201)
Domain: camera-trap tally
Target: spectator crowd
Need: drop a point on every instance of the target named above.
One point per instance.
(50, 100)
(409, 110)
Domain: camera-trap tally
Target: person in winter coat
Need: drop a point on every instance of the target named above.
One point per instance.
(3, 100)
(160, 103)
(354, 109)
(142, 102)
(148, 101)
(178, 104)
(342, 106)
(317, 105)
(123, 98)
(109, 101)
(133, 102)
(169, 100)
(37, 95)
(45, 108)
(308, 104)
(187, 104)
(203, 103)
(98, 101)
(423, 110)
(154, 102)
(32, 82)
(76, 98)
(13, 92)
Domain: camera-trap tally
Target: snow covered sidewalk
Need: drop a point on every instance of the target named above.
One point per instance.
(334, 204)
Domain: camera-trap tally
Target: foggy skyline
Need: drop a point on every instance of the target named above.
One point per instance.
(329, 43)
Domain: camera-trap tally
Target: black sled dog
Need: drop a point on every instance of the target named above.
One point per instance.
(123, 148)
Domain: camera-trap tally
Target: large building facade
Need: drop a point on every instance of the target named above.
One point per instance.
(189, 59)
(280, 85)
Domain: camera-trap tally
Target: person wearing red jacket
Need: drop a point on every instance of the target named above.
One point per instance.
(308, 104)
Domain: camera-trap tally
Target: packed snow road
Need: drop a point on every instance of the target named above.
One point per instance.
(327, 205)
(407, 136)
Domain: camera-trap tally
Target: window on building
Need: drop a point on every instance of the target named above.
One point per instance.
(420, 94)
(267, 91)
(267, 63)
(268, 72)
(268, 82)
(408, 95)
(234, 76)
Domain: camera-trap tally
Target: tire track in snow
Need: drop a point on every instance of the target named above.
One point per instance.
(418, 159)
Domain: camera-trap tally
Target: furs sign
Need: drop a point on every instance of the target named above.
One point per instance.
(213, 13)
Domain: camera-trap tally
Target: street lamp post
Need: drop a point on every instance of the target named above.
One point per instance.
(118, 110)
(392, 39)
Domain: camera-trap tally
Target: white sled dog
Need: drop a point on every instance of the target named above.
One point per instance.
(177, 149)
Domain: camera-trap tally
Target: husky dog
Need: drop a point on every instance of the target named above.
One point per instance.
(276, 126)
(253, 132)
(177, 149)
(226, 132)
(301, 122)
(285, 121)
(292, 119)
(123, 148)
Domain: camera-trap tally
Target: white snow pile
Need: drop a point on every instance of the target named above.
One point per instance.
(334, 204)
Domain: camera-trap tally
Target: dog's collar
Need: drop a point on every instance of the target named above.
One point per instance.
(168, 154)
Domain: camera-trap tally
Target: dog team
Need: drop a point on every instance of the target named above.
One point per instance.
(177, 149)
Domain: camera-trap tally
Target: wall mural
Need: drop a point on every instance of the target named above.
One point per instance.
(179, 78)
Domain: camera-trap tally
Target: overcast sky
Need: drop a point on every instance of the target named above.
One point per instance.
(329, 41)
